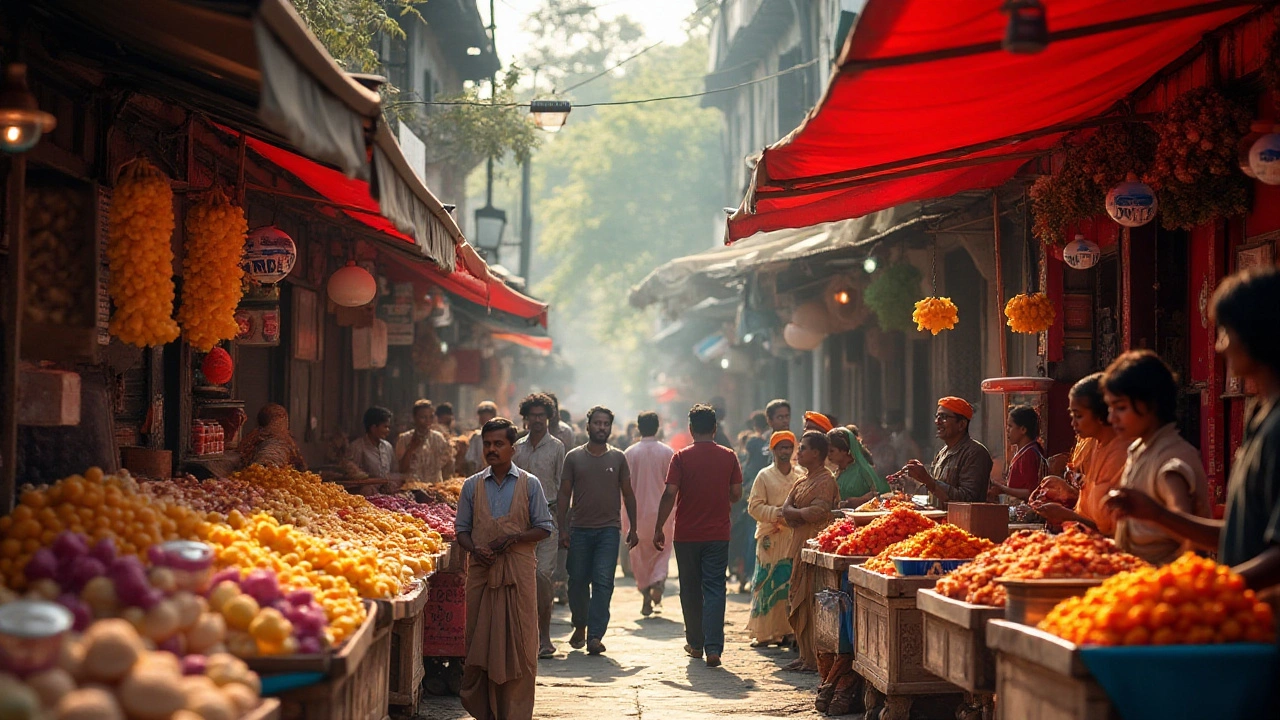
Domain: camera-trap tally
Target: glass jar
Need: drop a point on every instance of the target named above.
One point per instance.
(190, 561)
(31, 634)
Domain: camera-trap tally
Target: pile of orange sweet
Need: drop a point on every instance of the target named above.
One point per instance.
(900, 524)
(1192, 601)
(938, 542)
(1030, 555)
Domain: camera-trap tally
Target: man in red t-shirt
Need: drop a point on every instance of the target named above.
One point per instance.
(707, 480)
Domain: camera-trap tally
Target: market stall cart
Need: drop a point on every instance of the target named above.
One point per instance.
(407, 617)
(1041, 675)
(955, 648)
(889, 649)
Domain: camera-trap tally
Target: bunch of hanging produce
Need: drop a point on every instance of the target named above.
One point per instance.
(1029, 312)
(211, 271)
(140, 225)
(1195, 172)
(1078, 190)
(892, 294)
(935, 314)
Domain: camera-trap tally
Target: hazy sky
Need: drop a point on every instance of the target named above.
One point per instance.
(662, 20)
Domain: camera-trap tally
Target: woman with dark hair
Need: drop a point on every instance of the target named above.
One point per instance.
(1142, 397)
(857, 479)
(1248, 538)
(1028, 466)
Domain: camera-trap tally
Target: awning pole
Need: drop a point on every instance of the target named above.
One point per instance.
(999, 294)
(14, 304)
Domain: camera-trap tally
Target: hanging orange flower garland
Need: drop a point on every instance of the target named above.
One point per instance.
(215, 246)
(140, 225)
(935, 314)
(1030, 313)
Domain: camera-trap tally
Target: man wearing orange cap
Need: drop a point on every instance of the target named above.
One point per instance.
(961, 471)
(817, 421)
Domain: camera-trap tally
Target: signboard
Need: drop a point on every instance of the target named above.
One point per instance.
(444, 632)
(396, 310)
(259, 327)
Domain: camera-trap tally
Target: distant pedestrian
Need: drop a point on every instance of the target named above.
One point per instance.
(485, 411)
(768, 624)
(562, 428)
(502, 514)
(706, 479)
(371, 452)
(649, 459)
(423, 454)
(542, 455)
(807, 511)
(444, 421)
(742, 551)
(595, 484)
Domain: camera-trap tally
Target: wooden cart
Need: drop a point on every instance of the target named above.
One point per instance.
(831, 574)
(889, 650)
(955, 648)
(406, 670)
(1041, 676)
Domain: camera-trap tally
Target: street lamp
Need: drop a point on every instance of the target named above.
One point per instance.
(550, 115)
(490, 224)
(21, 120)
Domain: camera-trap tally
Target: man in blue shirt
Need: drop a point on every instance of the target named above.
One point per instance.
(502, 514)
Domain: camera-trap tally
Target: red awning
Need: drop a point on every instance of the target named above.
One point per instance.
(541, 344)
(925, 104)
(489, 293)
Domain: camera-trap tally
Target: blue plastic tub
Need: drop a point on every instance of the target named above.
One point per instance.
(926, 567)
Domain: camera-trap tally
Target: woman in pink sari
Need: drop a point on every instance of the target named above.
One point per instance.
(648, 461)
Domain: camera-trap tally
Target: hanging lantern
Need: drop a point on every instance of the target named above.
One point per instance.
(1132, 203)
(352, 286)
(1081, 253)
(269, 255)
(217, 366)
(802, 338)
(1264, 158)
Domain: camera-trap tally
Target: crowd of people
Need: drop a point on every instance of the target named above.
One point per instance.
(748, 511)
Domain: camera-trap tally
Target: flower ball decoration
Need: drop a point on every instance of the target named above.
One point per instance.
(140, 224)
(935, 314)
(212, 272)
(1029, 313)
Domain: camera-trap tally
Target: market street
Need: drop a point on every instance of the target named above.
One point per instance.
(645, 674)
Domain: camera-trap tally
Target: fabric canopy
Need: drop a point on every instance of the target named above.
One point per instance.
(924, 103)
(541, 344)
(490, 294)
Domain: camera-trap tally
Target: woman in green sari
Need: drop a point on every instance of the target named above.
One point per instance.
(858, 480)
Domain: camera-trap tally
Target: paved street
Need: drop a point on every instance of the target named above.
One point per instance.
(645, 673)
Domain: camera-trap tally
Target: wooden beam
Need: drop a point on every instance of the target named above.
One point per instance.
(15, 301)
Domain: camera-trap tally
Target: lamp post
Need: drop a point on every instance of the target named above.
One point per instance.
(490, 221)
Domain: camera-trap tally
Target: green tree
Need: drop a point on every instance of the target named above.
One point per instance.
(349, 29)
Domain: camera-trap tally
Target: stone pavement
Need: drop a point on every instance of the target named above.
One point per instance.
(646, 675)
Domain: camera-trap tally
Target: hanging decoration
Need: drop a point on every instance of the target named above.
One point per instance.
(352, 286)
(217, 366)
(269, 255)
(211, 271)
(1264, 158)
(1081, 253)
(1030, 313)
(1194, 173)
(1077, 190)
(933, 313)
(140, 256)
(892, 295)
(1132, 203)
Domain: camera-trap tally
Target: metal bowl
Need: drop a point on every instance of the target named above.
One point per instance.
(926, 567)
(1030, 600)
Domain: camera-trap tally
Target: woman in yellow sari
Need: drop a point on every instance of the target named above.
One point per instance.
(768, 622)
(807, 511)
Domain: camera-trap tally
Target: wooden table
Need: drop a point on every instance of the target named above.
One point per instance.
(955, 648)
(889, 649)
(1039, 675)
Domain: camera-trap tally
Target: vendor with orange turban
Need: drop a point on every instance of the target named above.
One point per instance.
(961, 470)
(817, 421)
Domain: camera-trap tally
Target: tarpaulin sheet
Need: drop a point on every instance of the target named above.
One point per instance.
(887, 108)
(541, 344)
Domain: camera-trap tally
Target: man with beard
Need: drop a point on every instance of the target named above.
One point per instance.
(596, 477)
(502, 514)
(542, 455)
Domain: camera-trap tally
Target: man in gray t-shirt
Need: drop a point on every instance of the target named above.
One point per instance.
(595, 477)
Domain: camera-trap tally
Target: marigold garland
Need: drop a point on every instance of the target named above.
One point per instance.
(1030, 313)
(935, 314)
(140, 257)
(211, 271)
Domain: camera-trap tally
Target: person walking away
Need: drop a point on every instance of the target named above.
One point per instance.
(595, 484)
(857, 479)
(768, 621)
(271, 444)
(742, 547)
(1095, 466)
(502, 515)
(961, 470)
(422, 454)
(485, 411)
(563, 428)
(371, 452)
(807, 510)
(1142, 396)
(1248, 537)
(648, 460)
(1029, 464)
(542, 455)
(703, 482)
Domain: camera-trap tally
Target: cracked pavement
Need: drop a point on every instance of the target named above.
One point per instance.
(645, 673)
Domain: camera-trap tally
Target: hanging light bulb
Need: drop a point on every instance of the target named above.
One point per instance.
(724, 363)
(22, 123)
(352, 286)
(870, 264)
(549, 115)
(843, 297)
(1027, 32)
